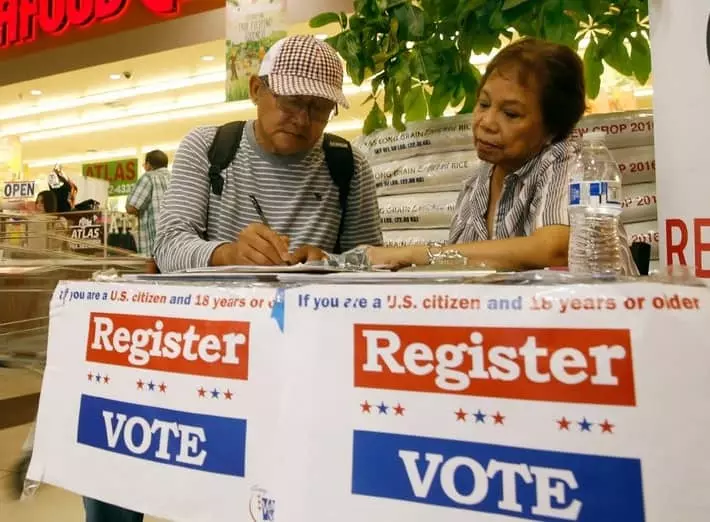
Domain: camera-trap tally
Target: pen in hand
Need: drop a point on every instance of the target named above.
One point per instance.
(262, 216)
(257, 207)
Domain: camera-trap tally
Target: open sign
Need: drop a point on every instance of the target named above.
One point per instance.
(19, 190)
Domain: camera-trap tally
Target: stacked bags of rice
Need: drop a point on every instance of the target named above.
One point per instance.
(418, 175)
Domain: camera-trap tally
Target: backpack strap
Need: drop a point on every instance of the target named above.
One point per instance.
(341, 164)
(223, 151)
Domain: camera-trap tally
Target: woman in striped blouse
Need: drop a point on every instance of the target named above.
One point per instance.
(513, 213)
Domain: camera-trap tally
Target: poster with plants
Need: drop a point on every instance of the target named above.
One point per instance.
(253, 26)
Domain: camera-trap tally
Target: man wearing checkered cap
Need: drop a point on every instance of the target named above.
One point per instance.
(281, 199)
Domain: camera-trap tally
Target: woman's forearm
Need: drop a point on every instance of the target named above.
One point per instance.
(547, 247)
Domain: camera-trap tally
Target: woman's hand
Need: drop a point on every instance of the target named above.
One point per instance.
(394, 257)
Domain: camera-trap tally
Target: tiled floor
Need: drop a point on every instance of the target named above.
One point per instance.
(49, 504)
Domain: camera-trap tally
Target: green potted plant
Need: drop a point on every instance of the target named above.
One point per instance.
(416, 54)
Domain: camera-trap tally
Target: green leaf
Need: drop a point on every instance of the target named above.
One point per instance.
(459, 95)
(376, 82)
(324, 19)
(399, 71)
(641, 58)
(510, 4)
(411, 22)
(398, 113)
(415, 105)
(593, 70)
(375, 120)
(344, 20)
(615, 54)
(440, 99)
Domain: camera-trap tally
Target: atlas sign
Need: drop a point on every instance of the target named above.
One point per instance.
(22, 20)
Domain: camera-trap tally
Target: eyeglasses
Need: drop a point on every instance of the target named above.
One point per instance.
(317, 111)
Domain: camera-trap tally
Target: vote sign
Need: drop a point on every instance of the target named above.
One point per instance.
(505, 403)
(388, 402)
(150, 395)
(681, 113)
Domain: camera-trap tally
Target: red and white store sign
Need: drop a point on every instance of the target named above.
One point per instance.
(680, 40)
(21, 21)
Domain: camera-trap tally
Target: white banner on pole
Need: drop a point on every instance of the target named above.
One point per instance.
(680, 45)
(382, 403)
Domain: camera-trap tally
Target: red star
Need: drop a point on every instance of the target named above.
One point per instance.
(399, 410)
(228, 395)
(140, 384)
(564, 424)
(366, 407)
(201, 391)
(162, 387)
(106, 379)
(498, 418)
(90, 376)
(607, 427)
(460, 415)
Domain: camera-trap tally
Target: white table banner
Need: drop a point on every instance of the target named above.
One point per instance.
(498, 403)
(150, 400)
(382, 403)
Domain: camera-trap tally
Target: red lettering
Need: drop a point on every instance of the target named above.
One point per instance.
(118, 176)
(131, 168)
(676, 248)
(700, 246)
(27, 24)
(162, 6)
(21, 19)
(8, 22)
(109, 9)
(80, 12)
(53, 16)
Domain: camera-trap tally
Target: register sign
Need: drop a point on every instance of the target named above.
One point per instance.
(529, 403)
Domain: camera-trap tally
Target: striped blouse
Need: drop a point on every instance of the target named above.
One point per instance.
(532, 197)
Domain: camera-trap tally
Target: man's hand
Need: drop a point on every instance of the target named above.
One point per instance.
(308, 253)
(257, 245)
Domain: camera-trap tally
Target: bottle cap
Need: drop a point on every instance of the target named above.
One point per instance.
(596, 136)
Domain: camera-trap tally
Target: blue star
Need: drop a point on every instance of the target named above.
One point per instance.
(215, 393)
(151, 386)
(383, 408)
(98, 378)
(480, 416)
(585, 425)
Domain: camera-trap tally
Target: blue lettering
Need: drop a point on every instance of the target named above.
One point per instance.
(204, 442)
(531, 484)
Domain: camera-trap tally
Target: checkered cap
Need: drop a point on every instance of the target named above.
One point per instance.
(304, 66)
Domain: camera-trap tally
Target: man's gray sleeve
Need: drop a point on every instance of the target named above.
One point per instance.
(183, 216)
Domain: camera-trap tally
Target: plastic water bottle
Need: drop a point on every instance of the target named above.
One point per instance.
(594, 209)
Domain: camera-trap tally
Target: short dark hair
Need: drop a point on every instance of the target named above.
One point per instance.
(157, 159)
(559, 73)
(49, 201)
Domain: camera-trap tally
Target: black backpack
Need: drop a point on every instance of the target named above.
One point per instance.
(338, 156)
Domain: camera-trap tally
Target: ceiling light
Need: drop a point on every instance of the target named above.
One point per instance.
(46, 106)
(147, 119)
(116, 76)
(643, 92)
(83, 158)
(207, 58)
(36, 92)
